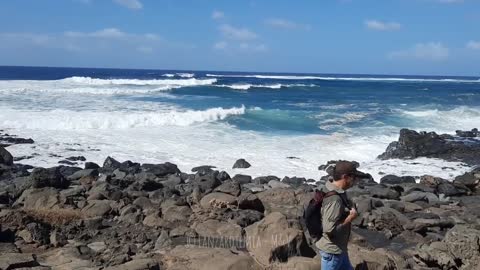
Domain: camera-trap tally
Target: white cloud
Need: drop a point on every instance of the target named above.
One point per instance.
(104, 33)
(474, 45)
(286, 24)
(218, 15)
(431, 51)
(131, 4)
(221, 45)
(382, 26)
(241, 34)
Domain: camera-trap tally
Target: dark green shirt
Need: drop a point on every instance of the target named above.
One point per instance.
(335, 235)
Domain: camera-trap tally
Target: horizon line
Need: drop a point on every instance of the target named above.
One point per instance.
(232, 71)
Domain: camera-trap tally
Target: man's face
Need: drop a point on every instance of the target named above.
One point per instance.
(350, 180)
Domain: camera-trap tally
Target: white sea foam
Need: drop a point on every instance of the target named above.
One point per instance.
(444, 121)
(74, 120)
(247, 86)
(87, 85)
(186, 75)
(292, 77)
(169, 75)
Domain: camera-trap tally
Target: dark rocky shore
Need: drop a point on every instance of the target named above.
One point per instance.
(126, 215)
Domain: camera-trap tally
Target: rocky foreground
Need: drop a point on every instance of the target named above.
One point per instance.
(125, 215)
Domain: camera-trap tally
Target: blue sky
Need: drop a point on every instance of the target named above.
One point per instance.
(437, 37)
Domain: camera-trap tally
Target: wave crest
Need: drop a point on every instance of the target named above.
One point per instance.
(71, 120)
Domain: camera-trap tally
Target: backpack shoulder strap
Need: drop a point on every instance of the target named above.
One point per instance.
(342, 197)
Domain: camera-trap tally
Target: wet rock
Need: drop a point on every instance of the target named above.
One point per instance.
(412, 144)
(383, 192)
(396, 180)
(241, 164)
(468, 134)
(76, 158)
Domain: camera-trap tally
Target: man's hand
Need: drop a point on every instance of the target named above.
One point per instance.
(351, 216)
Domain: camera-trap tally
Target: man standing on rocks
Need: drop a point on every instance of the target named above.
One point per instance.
(337, 216)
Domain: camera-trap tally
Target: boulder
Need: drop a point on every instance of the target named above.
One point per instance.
(38, 199)
(206, 258)
(250, 201)
(412, 144)
(274, 239)
(382, 192)
(243, 218)
(207, 182)
(91, 165)
(278, 184)
(294, 181)
(218, 200)
(460, 249)
(242, 164)
(264, 179)
(229, 187)
(242, 179)
(97, 208)
(137, 264)
(83, 173)
(5, 157)
(281, 200)
(111, 164)
(161, 170)
(51, 177)
(17, 260)
(218, 229)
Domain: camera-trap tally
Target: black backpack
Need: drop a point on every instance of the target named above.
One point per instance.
(312, 216)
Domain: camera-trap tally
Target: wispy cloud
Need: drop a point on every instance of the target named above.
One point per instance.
(474, 45)
(286, 24)
(131, 4)
(382, 26)
(104, 33)
(76, 41)
(241, 34)
(218, 15)
(431, 51)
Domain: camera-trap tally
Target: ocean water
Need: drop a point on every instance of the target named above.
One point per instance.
(283, 124)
